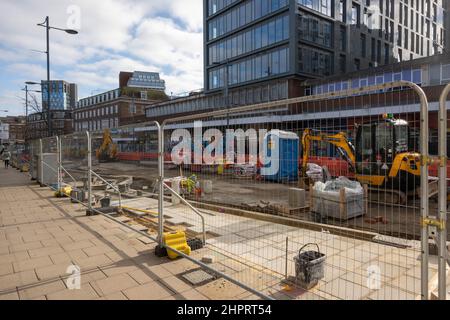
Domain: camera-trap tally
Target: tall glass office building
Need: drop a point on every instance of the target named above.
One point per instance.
(63, 95)
(251, 42)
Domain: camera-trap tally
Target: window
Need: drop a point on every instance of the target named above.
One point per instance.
(241, 15)
(314, 61)
(342, 14)
(399, 35)
(342, 63)
(322, 6)
(446, 72)
(257, 67)
(132, 108)
(315, 30)
(263, 35)
(386, 53)
(379, 51)
(343, 38)
(355, 14)
(373, 49)
(406, 39)
(417, 76)
(363, 45)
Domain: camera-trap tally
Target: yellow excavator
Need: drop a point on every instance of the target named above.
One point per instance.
(382, 157)
(108, 150)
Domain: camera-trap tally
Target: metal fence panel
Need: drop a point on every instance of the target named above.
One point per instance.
(125, 162)
(262, 202)
(267, 195)
(47, 169)
(444, 256)
(74, 166)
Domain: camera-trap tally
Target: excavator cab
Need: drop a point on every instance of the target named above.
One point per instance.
(382, 157)
(383, 154)
(378, 143)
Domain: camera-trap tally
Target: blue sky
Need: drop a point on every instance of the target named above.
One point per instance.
(114, 35)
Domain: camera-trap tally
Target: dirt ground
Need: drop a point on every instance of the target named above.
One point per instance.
(393, 220)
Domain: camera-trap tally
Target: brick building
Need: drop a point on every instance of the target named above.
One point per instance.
(122, 106)
(16, 128)
(37, 126)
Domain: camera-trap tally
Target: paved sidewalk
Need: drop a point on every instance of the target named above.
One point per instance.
(41, 237)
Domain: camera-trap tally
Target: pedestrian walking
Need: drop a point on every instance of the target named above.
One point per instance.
(6, 158)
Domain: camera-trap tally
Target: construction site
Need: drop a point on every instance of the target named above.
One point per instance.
(349, 212)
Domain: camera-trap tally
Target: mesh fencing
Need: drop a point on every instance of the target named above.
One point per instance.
(47, 168)
(322, 186)
(74, 166)
(125, 169)
(315, 199)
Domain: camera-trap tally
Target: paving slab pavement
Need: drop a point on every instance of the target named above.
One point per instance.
(354, 268)
(41, 237)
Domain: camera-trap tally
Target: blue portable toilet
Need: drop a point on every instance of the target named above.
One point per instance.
(286, 144)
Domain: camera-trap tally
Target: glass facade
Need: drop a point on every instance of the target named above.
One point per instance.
(256, 67)
(315, 30)
(322, 6)
(315, 61)
(413, 75)
(263, 35)
(217, 5)
(59, 95)
(272, 91)
(242, 15)
(328, 37)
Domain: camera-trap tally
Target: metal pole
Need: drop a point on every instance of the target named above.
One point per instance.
(442, 231)
(89, 173)
(47, 21)
(424, 197)
(41, 164)
(58, 155)
(161, 184)
(26, 112)
(26, 103)
(286, 262)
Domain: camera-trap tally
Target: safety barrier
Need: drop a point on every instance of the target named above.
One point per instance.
(253, 218)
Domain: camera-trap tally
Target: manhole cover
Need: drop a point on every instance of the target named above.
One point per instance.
(198, 277)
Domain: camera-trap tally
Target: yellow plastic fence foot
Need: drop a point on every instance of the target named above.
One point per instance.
(176, 240)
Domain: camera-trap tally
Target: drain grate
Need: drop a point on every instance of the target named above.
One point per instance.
(198, 277)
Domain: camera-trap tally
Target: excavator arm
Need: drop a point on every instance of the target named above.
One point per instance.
(339, 140)
(108, 150)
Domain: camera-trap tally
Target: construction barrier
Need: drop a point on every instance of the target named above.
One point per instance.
(254, 173)
(248, 187)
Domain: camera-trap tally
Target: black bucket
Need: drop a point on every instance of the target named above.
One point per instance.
(105, 202)
(309, 267)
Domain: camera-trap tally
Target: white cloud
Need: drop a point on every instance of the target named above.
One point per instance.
(161, 42)
(115, 35)
(12, 101)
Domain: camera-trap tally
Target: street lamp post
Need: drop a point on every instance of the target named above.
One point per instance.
(46, 25)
